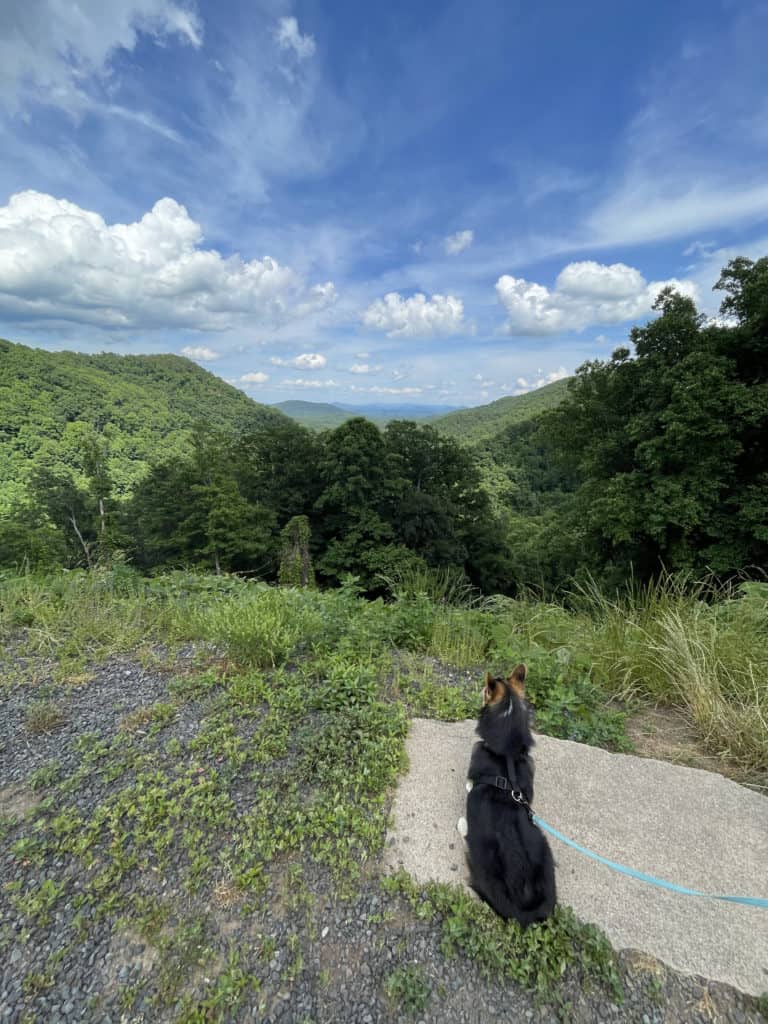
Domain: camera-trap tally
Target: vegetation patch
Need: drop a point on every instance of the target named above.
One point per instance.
(220, 823)
(537, 957)
(408, 989)
(44, 716)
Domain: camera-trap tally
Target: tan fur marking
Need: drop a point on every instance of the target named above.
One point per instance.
(516, 680)
(494, 691)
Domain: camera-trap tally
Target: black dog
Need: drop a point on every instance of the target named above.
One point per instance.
(510, 862)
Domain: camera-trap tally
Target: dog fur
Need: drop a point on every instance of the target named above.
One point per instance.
(510, 863)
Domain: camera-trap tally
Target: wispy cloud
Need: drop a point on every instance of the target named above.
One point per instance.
(458, 242)
(290, 38)
(47, 48)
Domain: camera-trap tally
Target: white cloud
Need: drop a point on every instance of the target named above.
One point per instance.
(47, 48)
(694, 153)
(305, 361)
(303, 382)
(290, 38)
(320, 296)
(417, 316)
(365, 368)
(61, 262)
(254, 378)
(199, 352)
(524, 385)
(591, 280)
(585, 293)
(378, 390)
(639, 213)
(458, 242)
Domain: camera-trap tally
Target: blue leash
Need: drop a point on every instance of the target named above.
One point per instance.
(750, 901)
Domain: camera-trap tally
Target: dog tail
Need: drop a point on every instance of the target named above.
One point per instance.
(534, 902)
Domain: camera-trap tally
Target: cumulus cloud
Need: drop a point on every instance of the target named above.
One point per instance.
(61, 262)
(458, 242)
(200, 353)
(585, 293)
(417, 316)
(254, 378)
(48, 47)
(290, 38)
(305, 361)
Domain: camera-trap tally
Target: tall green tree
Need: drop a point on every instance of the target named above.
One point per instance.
(349, 517)
(439, 508)
(669, 446)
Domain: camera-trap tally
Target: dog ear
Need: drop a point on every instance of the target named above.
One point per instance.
(488, 688)
(516, 679)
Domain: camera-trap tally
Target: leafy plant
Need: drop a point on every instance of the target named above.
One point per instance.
(408, 989)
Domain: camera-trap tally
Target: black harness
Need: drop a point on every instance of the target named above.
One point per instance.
(505, 783)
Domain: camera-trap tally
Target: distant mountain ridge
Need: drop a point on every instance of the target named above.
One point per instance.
(471, 426)
(143, 407)
(327, 415)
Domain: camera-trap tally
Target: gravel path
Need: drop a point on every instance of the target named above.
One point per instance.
(309, 956)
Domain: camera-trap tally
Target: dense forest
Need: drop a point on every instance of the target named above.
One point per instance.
(55, 406)
(654, 459)
(471, 426)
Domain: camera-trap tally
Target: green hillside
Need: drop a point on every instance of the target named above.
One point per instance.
(471, 426)
(142, 408)
(316, 415)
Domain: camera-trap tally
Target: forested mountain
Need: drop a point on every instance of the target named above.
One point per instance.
(326, 415)
(317, 415)
(55, 405)
(485, 421)
(653, 460)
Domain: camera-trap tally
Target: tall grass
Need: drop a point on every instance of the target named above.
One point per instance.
(691, 645)
(677, 642)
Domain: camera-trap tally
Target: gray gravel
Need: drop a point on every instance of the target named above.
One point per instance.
(104, 972)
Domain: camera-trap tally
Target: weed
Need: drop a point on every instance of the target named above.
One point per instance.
(154, 718)
(36, 982)
(408, 989)
(226, 994)
(536, 957)
(43, 716)
(38, 900)
(46, 775)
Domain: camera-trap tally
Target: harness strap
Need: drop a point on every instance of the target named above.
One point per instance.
(503, 783)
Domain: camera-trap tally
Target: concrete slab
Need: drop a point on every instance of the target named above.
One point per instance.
(687, 826)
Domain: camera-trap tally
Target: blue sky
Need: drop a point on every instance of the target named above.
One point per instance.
(435, 202)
